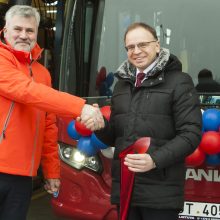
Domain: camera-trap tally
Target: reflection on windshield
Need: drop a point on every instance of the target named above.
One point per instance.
(210, 100)
(177, 33)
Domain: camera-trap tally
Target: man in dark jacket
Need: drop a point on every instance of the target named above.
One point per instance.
(163, 106)
(206, 82)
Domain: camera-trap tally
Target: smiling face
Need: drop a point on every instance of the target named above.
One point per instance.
(21, 32)
(144, 47)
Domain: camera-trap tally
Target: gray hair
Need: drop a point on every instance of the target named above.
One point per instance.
(23, 11)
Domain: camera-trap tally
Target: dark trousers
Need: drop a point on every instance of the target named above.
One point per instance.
(15, 196)
(144, 213)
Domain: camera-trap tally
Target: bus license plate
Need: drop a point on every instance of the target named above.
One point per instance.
(199, 209)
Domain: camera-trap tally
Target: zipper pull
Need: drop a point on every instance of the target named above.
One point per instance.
(2, 136)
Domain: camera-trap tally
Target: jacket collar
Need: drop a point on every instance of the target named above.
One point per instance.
(22, 56)
(127, 70)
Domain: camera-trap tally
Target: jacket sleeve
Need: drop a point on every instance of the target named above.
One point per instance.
(107, 135)
(50, 161)
(188, 125)
(19, 87)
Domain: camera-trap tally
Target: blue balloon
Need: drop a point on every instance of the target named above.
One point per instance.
(213, 160)
(110, 79)
(108, 92)
(71, 130)
(103, 89)
(86, 147)
(97, 143)
(211, 119)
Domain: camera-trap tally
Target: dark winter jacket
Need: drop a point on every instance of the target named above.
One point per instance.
(209, 85)
(165, 108)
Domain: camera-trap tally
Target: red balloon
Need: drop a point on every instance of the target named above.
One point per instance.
(210, 142)
(81, 129)
(101, 76)
(141, 145)
(196, 158)
(106, 111)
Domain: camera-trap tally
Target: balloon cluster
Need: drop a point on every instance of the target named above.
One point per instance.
(87, 142)
(209, 147)
(104, 82)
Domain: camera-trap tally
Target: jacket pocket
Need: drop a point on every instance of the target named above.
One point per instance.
(151, 176)
(157, 101)
(5, 125)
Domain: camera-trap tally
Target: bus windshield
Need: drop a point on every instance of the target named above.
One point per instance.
(188, 28)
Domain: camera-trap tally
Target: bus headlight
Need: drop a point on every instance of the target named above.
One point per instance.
(73, 157)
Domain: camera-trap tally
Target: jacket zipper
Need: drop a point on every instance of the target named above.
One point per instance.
(35, 144)
(37, 127)
(2, 135)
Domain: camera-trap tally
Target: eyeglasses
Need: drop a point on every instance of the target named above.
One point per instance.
(141, 46)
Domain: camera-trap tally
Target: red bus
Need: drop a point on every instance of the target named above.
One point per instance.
(91, 37)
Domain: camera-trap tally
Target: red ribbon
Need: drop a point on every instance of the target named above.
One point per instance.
(127, 176)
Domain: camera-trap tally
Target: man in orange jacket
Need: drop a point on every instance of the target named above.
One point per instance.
(28, 104)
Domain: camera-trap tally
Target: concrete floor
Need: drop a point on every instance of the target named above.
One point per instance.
(40, 208)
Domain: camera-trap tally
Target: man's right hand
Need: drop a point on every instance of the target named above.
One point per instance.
(92, 117)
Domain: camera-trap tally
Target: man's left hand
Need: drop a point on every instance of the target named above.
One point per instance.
(52, 185)
(139, 162)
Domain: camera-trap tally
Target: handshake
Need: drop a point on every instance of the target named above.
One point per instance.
(91, 117)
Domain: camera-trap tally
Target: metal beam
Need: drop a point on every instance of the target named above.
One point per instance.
(58, 42)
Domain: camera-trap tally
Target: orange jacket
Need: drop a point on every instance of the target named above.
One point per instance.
(28, 132)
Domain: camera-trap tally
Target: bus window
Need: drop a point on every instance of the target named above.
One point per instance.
(193, 39)
(77, 39)
(94, 32)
